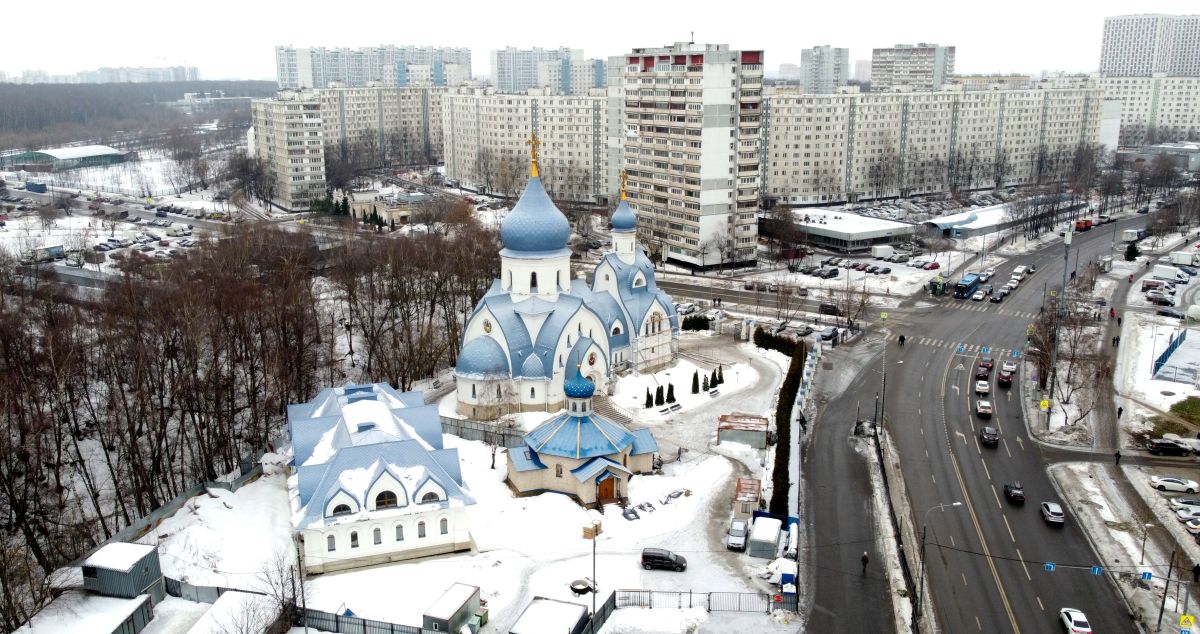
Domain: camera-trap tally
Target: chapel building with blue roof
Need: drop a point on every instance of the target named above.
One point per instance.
(371, 481)
(536, 315)
(579, 452)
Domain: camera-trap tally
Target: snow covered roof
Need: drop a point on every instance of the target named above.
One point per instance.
(82, 612)
(748, 489)
(844, 223)
(237, 611)
(638, 300)
(118, 556)
(451, 601)
(548, 616)
(766, 529)
(524, 459)
(974, 218)
(82, 151)
(596, 466)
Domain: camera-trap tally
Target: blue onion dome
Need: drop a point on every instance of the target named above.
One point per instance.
(482, 357)
(579, 386)
(623, 218)
(535, 223)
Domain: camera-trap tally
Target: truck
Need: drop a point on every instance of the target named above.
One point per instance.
(47, 253)
(882, 251)
(1083, 225)
(1130, 235)
(176, 232)
(37, 187)
(1186, 258)
(1169, 273)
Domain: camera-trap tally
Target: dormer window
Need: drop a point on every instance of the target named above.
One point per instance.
(616, 330)
(365, 427)
(341, 509)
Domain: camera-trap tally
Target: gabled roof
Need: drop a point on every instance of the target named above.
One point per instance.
(638, 300)
(595, 467)
(524, 459)
(643, 442)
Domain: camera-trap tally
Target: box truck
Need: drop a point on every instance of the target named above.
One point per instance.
(1186, 258)
(882, 251)
(1130, 235)
(1169, 273)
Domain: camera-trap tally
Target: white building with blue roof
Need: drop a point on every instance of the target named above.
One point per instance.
(371, 481)
(580, 453)
(518, 339)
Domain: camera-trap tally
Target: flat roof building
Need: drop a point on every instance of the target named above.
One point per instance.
(67, 158)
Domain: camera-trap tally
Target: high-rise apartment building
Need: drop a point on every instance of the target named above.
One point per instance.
(692, 126)
(561, 71)
(991, 81)
(1155, 109)
(390, 65)
(833, 148)
(570, 76)
(789, 72)
(288, 140)
(908, 67)
(862, 70)
(1142, 45)
(400, 125)
(485, 137)
(823, 69)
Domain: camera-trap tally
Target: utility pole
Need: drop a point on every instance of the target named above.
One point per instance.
(1058, 309)
(300, 573)
(1166, 588)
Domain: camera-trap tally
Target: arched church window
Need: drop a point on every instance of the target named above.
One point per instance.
(532, 392)
(616, 330)
(341, 509)
(331, 543)
(558, 471)
(386, 500)
(533, 281)
(472, 390)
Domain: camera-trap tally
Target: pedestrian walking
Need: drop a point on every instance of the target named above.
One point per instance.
(1118, 322)
(865, 560)
(1117, 456)
(1120, 410)
(1196, 573)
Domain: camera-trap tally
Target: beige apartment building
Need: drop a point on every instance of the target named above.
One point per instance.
(908, 67)
(992, 81)
(401, 125)
(692, 147)
(486, 132)
(1156, 109)
(834, 148)
(288, 140)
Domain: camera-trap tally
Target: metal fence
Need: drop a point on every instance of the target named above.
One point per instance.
(482, 431)
(1172, 346)
(710, 601)
(197, 594)
(329, 622)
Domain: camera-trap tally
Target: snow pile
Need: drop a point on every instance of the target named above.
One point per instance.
(654, 621)
(237, 612)
(774, 571)
(630, 391)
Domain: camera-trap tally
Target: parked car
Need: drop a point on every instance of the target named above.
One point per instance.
(1161, 300)
(736, 535)
(1192, 526)
(932, 266)
(982, 387)
(662, 559)
(1053, 514)
(884, 271)
(989, 436)
(1187, 513)
(1074, 621)
(1014, 493)
(1166, 447)
(1172, 483)
(1182, 503)
(1000, 295)
(983, 409)
(1170, 312)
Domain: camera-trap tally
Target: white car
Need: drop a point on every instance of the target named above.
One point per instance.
(982, 387)
(1171, 483)
(1183, 503)
(1075, 621)
(1008, 366)
(1189, 513)
(991, 272)
(978, 296)
(983, 409)
(1193, 525)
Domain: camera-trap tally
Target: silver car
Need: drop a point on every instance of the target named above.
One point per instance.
(1053, 514)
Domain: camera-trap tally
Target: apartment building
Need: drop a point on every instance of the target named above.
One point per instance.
(403, 125)
(317, 67)
(849, 147)
(1146, 44)
(862, 70)
(485, 135)
(906, 67)
(692, 134)
(823, 69)
(992, 81)
(1156, 109)
(288, 140)
(570, 76)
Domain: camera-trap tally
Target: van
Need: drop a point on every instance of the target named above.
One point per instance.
(662, 559)
(1152, 285)
(1169, 273)
(829, 309)
(1019, 272)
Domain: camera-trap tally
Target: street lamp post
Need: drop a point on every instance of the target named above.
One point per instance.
(1145, 531)
(921, 583)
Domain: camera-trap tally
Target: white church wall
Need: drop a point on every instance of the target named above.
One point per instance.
(553, 276)
(393, 546)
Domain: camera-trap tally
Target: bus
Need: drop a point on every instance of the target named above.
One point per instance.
(967, 286)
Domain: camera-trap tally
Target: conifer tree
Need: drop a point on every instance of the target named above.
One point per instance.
(671, 393)
(696, 382)
(658, 396)
(649, 399)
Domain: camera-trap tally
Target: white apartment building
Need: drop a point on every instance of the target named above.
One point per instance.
(823, 69)
(991, 82)
(907, 67)
(1156, 109)
(403, 125)
(318, 66)
(288, 140)
(485, 135)
(1142, 45)
(862, 70)
(692, 126)
(789, 72)
(849, 147)
(515, 70)
(570, 76)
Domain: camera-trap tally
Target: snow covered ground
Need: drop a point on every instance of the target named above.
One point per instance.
(630, 391)
(1143, 338)
(76, 231)
(154, 174)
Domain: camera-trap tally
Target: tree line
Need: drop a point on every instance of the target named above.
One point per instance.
(181, 371)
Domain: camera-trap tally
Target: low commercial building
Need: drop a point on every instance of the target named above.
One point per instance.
(744, 428)
(551, 616)
(66, 158)
(459, 606)
(747, 498)
(836, 230)
(1185, 156)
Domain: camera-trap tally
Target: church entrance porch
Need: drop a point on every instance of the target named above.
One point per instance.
(607, 490)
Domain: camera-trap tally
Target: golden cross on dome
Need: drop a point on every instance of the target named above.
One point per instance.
(533, 144)
(624, 177)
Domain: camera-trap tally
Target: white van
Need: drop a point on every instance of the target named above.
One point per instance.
(1019, 272)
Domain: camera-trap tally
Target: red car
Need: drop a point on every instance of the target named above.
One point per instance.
(932, 266)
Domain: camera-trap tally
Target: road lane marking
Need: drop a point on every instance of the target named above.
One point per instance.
(1006, 449)
(985, 469)
(1006, 525)
(978, 624)
(1021, 443)
(997, 498)
(1022, 560)
(952, 541)
(964, 577)
(933, 477)
(1040, 604)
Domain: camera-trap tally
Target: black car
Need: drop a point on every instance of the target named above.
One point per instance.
(1170, 312)
(887, 270)
(1143, 209)
(989, 436)
(1192, 272)
(1160, 300)
(662, 559)
(1014, 493)
(982, 373)
(1005, 379)
(1164, 447)
(831, 273)
(873, 268)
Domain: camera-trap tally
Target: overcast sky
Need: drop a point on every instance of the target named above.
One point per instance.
(236, 39)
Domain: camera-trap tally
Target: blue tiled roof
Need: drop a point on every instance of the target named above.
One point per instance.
(595, 467)
(643, 442)
(535, 225)
(524, 459)
(639, 299)
(578, 437)
(533, 368)
(482, 356)
(623, 218)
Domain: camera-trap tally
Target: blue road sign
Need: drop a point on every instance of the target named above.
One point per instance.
(1147, 576)
(1097, 570)
(962, 348)
(1050, 566)
(985, 350)
(1016, 354)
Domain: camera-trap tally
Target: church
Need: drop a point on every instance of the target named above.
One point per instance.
(518, 338)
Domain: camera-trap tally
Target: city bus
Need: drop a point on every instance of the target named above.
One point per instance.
(967, 286)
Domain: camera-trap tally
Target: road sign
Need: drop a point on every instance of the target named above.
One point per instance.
(1053, 293)
(985, 350)
(883, 315)
(1050, 566)
(1147, 576)
(1029, 329)
(1044, 405)
(962, 348)
(1187, 620)
(1016, 354)
(1097, 570)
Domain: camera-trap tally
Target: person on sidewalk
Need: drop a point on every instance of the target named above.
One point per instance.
(1196, 573)
(865, 560)
(1120, 410)
(1118, 322)
(1117, 457)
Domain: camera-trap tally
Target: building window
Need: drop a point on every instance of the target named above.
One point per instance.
(420, 530)
(385, 500)
(472, 390)
(532, 393)
(445, 526)
(377, 537)
(331, 543)
(399, 533)
(341, 509)
(354, 539)
(533, 281)
(558, 471)
(429, 497)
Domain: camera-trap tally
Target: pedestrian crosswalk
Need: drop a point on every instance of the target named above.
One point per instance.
(961, 347)
(985, 308)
